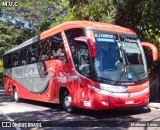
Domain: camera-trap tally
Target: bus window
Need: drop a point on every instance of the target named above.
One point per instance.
(83, 59)
(47, 48)
(53, 54)
(9, 61)
(20, 57)
(44, 50)
(72, 33)
(15, 59)
(24, 53)
(61, 54)
(73, 52)
(57, 48)
(33, 54)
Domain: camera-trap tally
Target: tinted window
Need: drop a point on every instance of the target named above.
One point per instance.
(15, 59)
(24, 56)
(44, 50)
(57, 48)
(81, 58)
(20, 57)
(33, 54)
(72, 33)
(50, 48)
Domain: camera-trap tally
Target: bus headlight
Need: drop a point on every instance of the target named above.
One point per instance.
(98, 90)
(94, 88)
(115, 89)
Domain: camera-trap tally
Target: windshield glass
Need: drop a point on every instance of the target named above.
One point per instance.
(109, 63)
(134, 55)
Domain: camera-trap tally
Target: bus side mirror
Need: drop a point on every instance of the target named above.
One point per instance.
(90, 43)
(153, 48)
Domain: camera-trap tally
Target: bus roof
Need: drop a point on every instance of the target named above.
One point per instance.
(73, 24)
(86, 24)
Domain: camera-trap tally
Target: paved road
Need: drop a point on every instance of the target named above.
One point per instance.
(31, 111)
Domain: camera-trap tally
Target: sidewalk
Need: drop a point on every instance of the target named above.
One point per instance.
(154, 105)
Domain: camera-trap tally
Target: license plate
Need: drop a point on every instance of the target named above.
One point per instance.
(129, 102)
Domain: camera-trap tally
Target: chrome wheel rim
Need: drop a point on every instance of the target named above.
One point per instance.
(68, 101)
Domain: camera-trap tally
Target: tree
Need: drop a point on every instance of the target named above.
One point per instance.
(32, 13)
(91, 10)
(29, 18)
(143, 16)
(11, 35)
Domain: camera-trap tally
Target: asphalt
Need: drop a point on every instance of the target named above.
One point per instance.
(154, 105)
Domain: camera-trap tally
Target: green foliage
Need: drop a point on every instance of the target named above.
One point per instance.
(143, 16)
(91, 10)
(10, 36)
(31, 17)
(150, 21)
(1, 66)
(97, 10)
(37, 15)
(129, 13)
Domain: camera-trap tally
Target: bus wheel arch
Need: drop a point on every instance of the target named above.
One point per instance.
(15, 94)
(66, 100)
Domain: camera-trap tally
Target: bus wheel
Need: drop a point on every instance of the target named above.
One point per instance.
(15, 96)
(67, 102)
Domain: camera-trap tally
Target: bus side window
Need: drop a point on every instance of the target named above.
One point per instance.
(15, 59)
(44, 50)
(57, 48)
(54, 46)
(19, 57)
(33, 54)
(83, 59)
(48, 52)
(72, 33)
(24, 57)
(9, 61)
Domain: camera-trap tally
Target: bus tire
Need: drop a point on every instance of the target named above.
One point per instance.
(67, 102)
(15, 95)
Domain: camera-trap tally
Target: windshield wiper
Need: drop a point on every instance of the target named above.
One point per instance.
(131, 67)
(125, 63)
(119, 77)
(123, 60)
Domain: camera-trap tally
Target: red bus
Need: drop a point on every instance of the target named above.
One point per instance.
(80, 64)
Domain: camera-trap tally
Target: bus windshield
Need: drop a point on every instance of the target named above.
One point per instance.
(109, 62)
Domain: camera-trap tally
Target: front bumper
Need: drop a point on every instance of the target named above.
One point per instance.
(106, 100)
